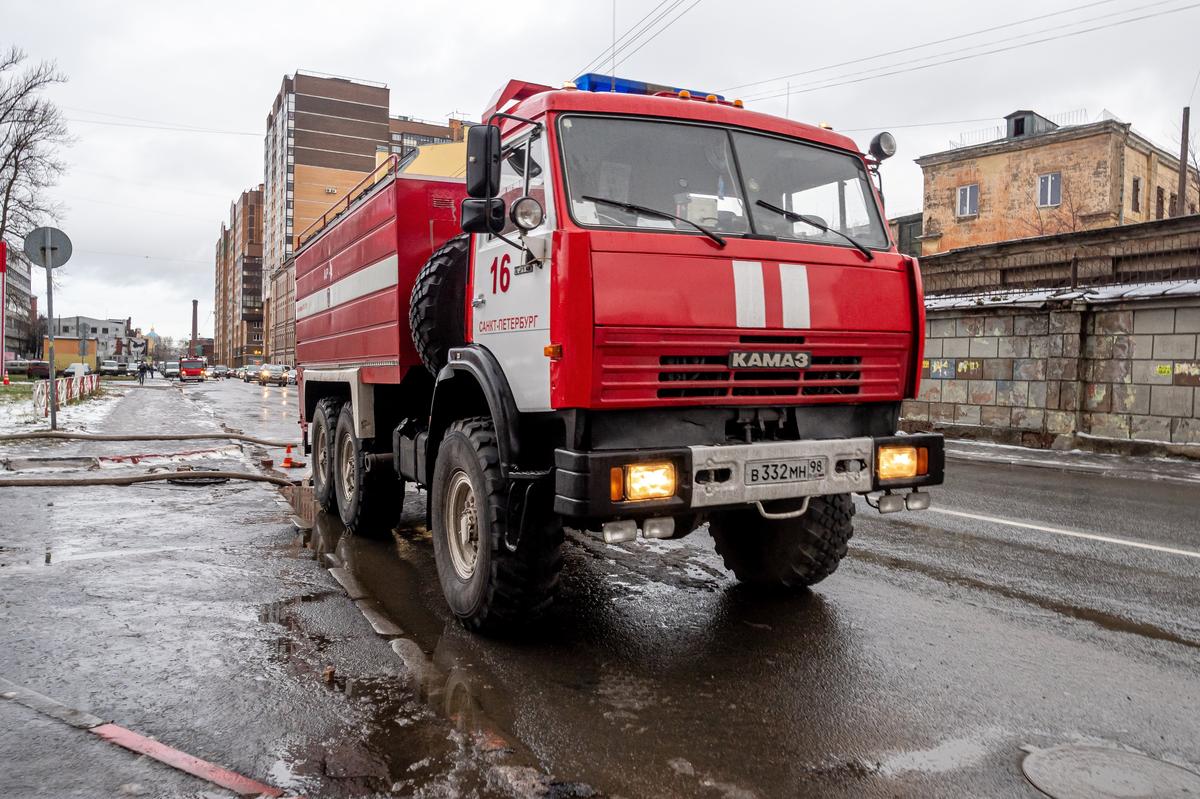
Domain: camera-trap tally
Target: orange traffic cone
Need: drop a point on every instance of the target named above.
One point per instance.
(287, 459)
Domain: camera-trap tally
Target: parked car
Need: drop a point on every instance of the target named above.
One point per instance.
(109, 368)
(170, 369)
(17, 367)
(77, 370)
(191, 369)
(38, 369)
(293, 376)
(219, 371)
(250, 373)
(273, 374)
(123, 368)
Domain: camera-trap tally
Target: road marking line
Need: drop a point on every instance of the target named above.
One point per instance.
(1071, 533)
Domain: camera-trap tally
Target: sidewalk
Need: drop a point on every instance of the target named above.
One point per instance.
(1117, 466)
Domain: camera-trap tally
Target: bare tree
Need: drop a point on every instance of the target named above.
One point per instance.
(32, 130)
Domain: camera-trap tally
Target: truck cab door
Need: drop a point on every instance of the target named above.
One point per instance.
(510, 296)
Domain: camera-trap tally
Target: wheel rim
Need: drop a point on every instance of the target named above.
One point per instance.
(461, 524)
(346, 464)
(321, 456)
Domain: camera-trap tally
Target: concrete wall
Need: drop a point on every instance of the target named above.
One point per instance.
(1126, 370)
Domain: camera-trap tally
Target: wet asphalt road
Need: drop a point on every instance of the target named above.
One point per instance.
(944, 645)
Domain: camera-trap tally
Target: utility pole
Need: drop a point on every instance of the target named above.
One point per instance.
(1181, 203)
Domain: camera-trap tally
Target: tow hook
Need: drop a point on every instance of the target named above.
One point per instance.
(790, 514)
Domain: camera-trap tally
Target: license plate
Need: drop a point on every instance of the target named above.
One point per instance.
(788, 470)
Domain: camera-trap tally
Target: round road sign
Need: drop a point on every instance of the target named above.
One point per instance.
(59, 251)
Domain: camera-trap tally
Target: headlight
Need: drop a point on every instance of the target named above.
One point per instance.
(648, 481)
(527, 213)
(896, 462)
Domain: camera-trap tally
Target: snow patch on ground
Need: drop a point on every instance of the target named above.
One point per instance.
(20, 416)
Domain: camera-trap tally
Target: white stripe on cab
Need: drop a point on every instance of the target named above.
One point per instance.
(748, 294)
(793, 284)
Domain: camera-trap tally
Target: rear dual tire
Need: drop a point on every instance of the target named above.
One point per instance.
(368, 501)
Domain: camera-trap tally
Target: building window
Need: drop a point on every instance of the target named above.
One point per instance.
(93, 330)
(1174, 204)
(968, 200)
(1160, 200)
(1136, 199)
(104, 330)
(1018, 127)
(1050, 190)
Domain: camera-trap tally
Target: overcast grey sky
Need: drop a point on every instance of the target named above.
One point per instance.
(144, 204)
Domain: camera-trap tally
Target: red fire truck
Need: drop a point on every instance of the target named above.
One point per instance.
(643, 310)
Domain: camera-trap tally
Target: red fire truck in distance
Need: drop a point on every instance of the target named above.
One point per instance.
(644, 309)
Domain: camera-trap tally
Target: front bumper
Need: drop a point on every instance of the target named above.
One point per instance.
(710, 477)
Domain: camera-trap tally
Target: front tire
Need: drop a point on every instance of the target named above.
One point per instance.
(489, 587)
(369, 502)
(785, 553)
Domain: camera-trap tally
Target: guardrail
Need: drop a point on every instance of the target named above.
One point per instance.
(385, 170)
(67, 389)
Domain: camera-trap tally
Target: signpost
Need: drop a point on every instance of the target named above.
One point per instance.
(51, 248)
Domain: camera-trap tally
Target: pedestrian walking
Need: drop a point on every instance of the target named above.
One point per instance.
(142, 374)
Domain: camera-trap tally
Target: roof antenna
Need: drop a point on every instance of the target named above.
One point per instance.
(613, 78)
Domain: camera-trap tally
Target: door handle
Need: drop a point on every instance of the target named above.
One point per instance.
(478, 301)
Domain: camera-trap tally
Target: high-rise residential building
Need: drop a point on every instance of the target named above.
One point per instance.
(324, 135)
(238, 303)
(18, 313)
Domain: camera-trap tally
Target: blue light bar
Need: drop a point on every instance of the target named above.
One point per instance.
(595, 82)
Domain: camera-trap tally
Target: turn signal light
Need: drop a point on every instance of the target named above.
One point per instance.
(552, 350)
(896, 462)
(649, 481)
(684, 94)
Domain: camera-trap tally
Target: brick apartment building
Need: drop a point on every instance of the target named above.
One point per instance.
(324, 135)
(238, 304)
(1039, 178)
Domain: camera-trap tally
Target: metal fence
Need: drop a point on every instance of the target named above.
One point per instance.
(1148, 252)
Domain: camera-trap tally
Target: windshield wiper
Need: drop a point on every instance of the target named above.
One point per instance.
(818, 224)
(655, 212)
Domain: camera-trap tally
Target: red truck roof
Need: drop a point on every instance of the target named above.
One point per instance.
(696, 109)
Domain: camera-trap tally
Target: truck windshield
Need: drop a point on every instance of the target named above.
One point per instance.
(690, 171)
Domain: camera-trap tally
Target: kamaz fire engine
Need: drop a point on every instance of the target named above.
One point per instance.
(643, 310)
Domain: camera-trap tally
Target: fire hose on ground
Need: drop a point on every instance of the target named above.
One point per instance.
(125, 480)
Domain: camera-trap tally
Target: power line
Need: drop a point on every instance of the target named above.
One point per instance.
(145, 257)
(180, 125)
(164, 127)
(917, 125)
(607, 50)
(980, 54)
(659, 32)
(920, 46)
(758, 95)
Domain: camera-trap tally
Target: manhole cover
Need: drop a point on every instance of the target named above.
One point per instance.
(1095, 772)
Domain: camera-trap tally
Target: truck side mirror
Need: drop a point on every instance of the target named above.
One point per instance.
(483, 215)
(483, 161)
